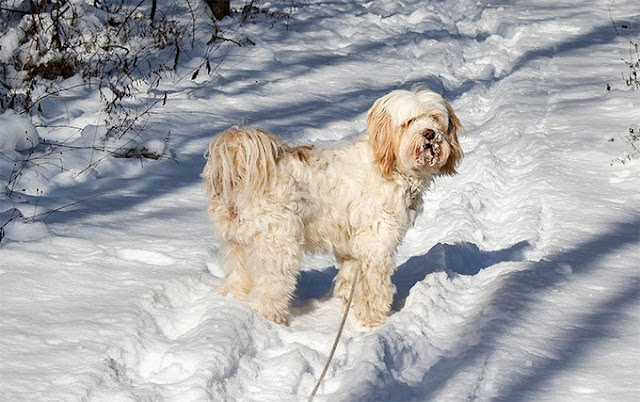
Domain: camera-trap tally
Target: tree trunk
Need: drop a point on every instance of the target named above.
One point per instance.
(153, 11)
(219, 8)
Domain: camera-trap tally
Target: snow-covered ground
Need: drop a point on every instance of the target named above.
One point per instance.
(520, 281)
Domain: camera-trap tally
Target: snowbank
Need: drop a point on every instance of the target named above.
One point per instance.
(17, 132)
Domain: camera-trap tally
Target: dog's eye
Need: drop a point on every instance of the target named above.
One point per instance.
(409, 122)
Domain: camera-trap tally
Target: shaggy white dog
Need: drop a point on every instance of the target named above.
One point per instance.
(269, 202)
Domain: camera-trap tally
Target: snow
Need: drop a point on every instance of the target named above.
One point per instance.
(18, 133)
(520, 280)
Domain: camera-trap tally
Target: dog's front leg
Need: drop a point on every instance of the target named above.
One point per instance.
(342, 282)
(374, 291)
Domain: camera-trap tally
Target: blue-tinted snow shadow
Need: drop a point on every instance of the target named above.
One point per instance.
(517, 294)
(460, 258)
(105, 195)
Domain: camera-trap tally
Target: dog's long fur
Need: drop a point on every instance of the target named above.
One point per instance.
(269, 202)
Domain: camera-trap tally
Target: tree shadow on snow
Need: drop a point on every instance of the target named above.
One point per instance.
(288, 119)
(516, 297)
(314, 284)
(460, 258)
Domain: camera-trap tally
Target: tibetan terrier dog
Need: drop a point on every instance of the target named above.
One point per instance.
(269, 202)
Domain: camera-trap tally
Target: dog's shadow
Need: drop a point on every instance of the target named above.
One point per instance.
(460, 258)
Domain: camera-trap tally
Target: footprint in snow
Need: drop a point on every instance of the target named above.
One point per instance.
(180, 306)
(620, 176)
(172, 318)
(144, 256)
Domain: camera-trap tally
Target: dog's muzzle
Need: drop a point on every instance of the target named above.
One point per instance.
(431, 146)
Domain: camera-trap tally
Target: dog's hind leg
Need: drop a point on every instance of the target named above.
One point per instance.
(237, 281)
(274, 261)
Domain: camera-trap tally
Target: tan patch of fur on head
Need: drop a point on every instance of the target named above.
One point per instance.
(455, 150)
(381, 139)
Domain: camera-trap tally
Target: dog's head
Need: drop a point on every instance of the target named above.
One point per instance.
(414, 132)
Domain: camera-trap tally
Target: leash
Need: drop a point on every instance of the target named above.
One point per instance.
(338, 335)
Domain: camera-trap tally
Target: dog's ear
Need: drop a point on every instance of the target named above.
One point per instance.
(381, 138)
(455, 153)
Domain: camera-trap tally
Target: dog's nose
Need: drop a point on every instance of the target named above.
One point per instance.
(429, 134)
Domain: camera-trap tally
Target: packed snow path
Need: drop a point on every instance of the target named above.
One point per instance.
(519, 281)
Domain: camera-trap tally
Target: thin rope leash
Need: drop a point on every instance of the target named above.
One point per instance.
(338, 335)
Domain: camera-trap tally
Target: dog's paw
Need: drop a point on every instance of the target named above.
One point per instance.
(275, 317)
(370, 314)
(275, 312)
(240, 294)
(341, 290)
(371, 320)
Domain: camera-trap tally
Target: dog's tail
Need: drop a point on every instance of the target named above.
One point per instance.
(241, 164)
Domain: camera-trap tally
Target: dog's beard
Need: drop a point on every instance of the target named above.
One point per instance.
(423, 154)
(428, 154)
